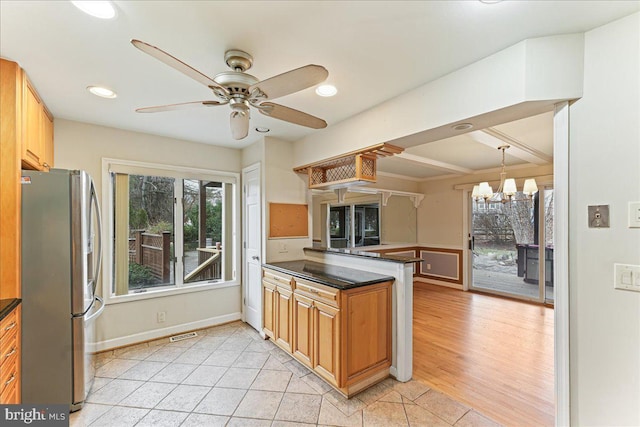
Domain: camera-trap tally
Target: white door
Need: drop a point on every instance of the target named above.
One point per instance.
(252, 247)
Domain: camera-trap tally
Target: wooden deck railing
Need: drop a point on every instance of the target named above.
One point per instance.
(152, 251)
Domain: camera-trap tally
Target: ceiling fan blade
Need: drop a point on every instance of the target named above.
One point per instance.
(290, 115)
(176, 64)
(181, 106)
(239, 124)
(291, 81)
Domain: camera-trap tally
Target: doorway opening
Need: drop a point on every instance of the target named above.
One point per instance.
(506, 254)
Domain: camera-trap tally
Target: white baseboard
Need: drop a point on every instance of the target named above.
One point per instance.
(437, 282)
(163, 332)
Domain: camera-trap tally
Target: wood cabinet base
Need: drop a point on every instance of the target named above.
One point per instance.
(342, 336)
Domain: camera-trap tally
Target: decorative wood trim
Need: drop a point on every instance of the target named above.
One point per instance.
(457, 252)
(418, 272)
(379, 150)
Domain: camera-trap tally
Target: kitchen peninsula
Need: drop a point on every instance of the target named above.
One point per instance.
(345, 314)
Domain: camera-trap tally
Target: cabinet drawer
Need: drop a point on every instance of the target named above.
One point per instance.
(9, 323)
(9, 374)
(10, 395)
(325, 294)
(277, 278)
(8, 346)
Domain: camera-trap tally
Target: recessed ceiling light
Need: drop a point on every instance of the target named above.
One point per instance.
(102, 91)
(462, 126)
(326, 90)
(490, 1)
(99, 9)
(262, 130)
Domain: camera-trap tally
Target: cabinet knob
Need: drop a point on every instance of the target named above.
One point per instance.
(46, 165)
(11, 326)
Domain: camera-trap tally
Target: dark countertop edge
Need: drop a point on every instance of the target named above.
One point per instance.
(328, 282)
(7, 305)
(364, 254)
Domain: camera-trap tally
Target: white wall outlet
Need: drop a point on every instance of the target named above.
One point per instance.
(162, 316)
(282, 248)
(634, 214)
(428, 266)
(626, 277)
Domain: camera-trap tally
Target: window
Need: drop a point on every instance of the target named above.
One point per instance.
(171, 228)
(366, 229)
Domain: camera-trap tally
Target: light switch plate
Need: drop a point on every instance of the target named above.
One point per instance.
(634, 214)
(626, 277)
(599, 216)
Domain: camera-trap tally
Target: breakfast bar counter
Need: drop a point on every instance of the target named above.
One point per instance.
(329, 275)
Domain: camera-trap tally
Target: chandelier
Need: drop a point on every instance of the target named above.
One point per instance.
(507, 189)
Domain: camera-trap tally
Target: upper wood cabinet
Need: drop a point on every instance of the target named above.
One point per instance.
(10, 153)
(37, 130)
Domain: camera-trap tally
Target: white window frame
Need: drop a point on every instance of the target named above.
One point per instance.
(130, 167)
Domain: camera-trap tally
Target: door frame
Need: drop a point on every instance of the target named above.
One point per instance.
(245, 277)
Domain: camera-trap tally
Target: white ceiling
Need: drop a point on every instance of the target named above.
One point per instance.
(374, 50)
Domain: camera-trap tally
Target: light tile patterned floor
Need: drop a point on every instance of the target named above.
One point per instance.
(229, 376)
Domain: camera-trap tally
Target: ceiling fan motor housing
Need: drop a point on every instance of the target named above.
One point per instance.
(238, 60)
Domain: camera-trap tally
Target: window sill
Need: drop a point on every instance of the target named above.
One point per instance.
(166, 292)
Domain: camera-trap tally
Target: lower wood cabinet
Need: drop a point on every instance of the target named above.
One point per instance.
(284, 305)
(277, 294)
(303, 311)
(326, 361)
(343, 336)
(269, 298)
(10, 358)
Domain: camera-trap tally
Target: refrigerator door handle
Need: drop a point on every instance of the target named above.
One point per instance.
(94, 200)
(97, 313)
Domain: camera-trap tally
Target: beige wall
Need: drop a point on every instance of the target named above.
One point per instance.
(398, 218)
(82, 146)
(283, 185)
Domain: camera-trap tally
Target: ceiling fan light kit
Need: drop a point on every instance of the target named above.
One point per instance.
(243, 91)
(507, 189)
(97, 9)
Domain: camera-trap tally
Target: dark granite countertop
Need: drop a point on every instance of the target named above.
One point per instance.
(355, 252)
(330, 275)
(7, 305)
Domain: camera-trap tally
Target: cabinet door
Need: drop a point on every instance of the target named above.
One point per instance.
(327, 342)
(366, 331)
(283, 330)
(47, 140)
(268, 319)
(32, 147)
(303, 329)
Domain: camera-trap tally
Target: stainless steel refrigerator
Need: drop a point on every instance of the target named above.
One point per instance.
(61, 260)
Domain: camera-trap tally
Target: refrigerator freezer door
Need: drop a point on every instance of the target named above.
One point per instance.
(46, 288)
(84, 334)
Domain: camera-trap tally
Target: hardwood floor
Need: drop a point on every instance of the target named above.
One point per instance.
(491, 353)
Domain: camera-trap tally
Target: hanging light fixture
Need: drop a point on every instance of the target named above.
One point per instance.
(507, 189)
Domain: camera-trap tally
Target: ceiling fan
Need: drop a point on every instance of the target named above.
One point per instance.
(241, 90)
